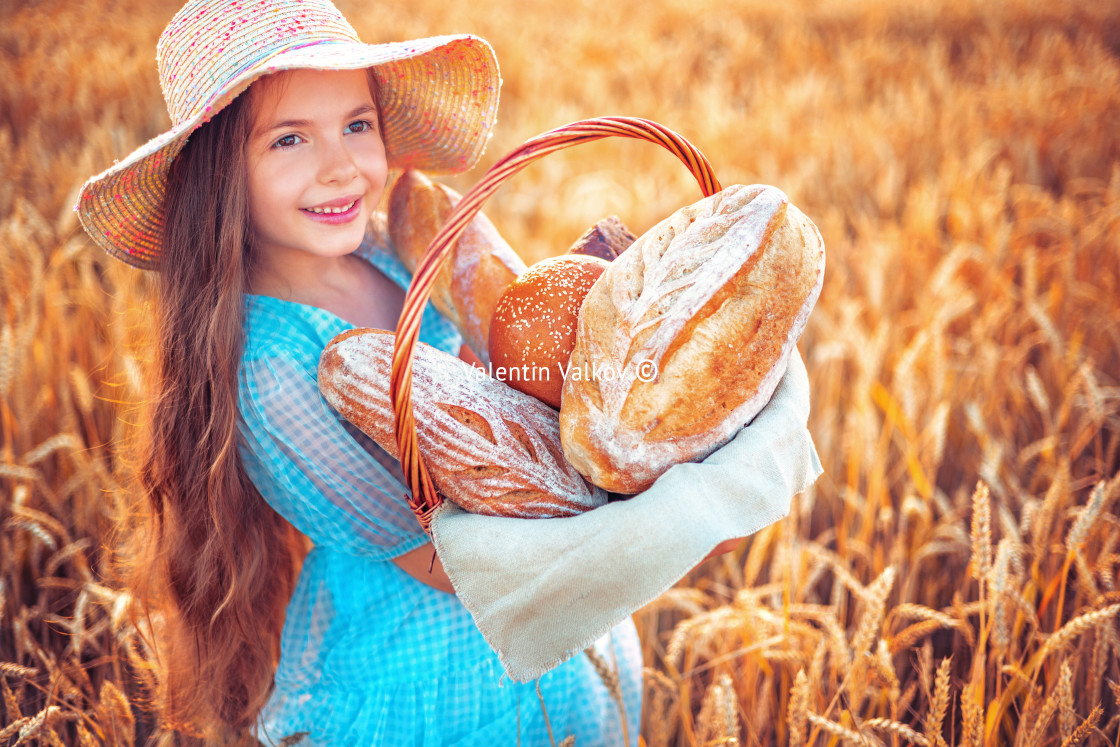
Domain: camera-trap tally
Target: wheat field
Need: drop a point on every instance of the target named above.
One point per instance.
(950, 580)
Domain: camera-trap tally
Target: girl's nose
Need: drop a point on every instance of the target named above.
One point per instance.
(337, 165)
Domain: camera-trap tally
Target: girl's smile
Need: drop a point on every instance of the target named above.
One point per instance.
(317, 169)
(336, 211)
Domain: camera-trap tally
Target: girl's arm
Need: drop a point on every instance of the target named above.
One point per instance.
(417, 563)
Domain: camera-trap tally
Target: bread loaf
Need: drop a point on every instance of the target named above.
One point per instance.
(534, 326)
(606, 240)
(488, 448)
(481, 264)
(684, 338)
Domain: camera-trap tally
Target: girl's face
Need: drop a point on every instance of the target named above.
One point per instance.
(316, 165)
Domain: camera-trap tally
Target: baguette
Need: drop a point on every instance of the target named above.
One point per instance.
(479, 269)
(683, 339)
(490, 449)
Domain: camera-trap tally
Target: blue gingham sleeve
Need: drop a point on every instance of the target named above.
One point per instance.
(321, 473)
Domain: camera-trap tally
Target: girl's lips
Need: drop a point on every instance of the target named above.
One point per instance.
(334, 219)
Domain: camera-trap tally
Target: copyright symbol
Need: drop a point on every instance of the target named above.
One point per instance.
(647, 371)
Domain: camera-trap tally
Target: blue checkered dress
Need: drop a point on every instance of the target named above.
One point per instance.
(371, 656)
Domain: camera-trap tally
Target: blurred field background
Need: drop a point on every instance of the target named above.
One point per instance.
(951, 580)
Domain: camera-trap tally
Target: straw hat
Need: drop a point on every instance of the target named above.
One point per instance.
(438, 99)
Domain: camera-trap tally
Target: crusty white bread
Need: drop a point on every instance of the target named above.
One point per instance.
(490, 449)
(714, 298)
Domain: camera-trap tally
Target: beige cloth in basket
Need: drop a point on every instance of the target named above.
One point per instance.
(543, 590)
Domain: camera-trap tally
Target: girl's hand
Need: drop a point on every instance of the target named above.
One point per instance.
(723, 547)
(417, 563)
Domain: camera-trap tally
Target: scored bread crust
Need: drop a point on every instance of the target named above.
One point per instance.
(715, 297)
(490, 449)
(479, 269)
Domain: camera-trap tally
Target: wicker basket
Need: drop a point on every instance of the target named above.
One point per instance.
(424, 498)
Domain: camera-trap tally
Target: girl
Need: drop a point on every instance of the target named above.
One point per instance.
(256, 210)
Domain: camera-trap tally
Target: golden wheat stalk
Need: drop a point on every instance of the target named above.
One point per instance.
(1084, 729)
(609, 676)
(1074, 628)
(898, 729)
(847, 736)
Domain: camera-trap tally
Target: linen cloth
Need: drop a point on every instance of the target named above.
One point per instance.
(370, 655)
(541, 590)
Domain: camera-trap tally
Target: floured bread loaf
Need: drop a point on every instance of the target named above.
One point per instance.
(683, 339)
(490, 449)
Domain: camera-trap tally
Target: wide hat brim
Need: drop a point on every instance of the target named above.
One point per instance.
(437, 97)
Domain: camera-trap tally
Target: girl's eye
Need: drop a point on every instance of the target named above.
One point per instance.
(287, 141)
(362, 125)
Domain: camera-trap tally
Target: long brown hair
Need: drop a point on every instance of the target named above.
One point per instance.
(214, 567)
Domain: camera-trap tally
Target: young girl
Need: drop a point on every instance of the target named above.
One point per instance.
(257, 210)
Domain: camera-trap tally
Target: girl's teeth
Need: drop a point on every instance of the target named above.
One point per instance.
(333, 210)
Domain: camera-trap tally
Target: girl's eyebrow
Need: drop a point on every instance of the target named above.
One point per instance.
(299, 123)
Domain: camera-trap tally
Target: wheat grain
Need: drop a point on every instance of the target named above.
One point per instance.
(75, 548)
(913, 611)
(883, 667)
(1097, 662)
(50, 446)
(816, 665)
(972, 715)
(719, 714)
(1003, 582)
(85, 739)
(907, 637)
(1049, 708)
(33, 528)
(1037, 392)
(660, 715)
(867, 631)
(120, 712)
(1079, 532)
(847, 736)
(43, 519)
(11, 704)
(1084, 729)
(1067, 719)
(834, 562)
(15, 726)
(609, 676)
(17, 670)
(939, 705)
(798, 710)
(36, 723)
(981, 561)
(897, 728)
(51, 737)
(1076, 627)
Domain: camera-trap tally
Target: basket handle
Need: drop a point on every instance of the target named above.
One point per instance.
(424, 498)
